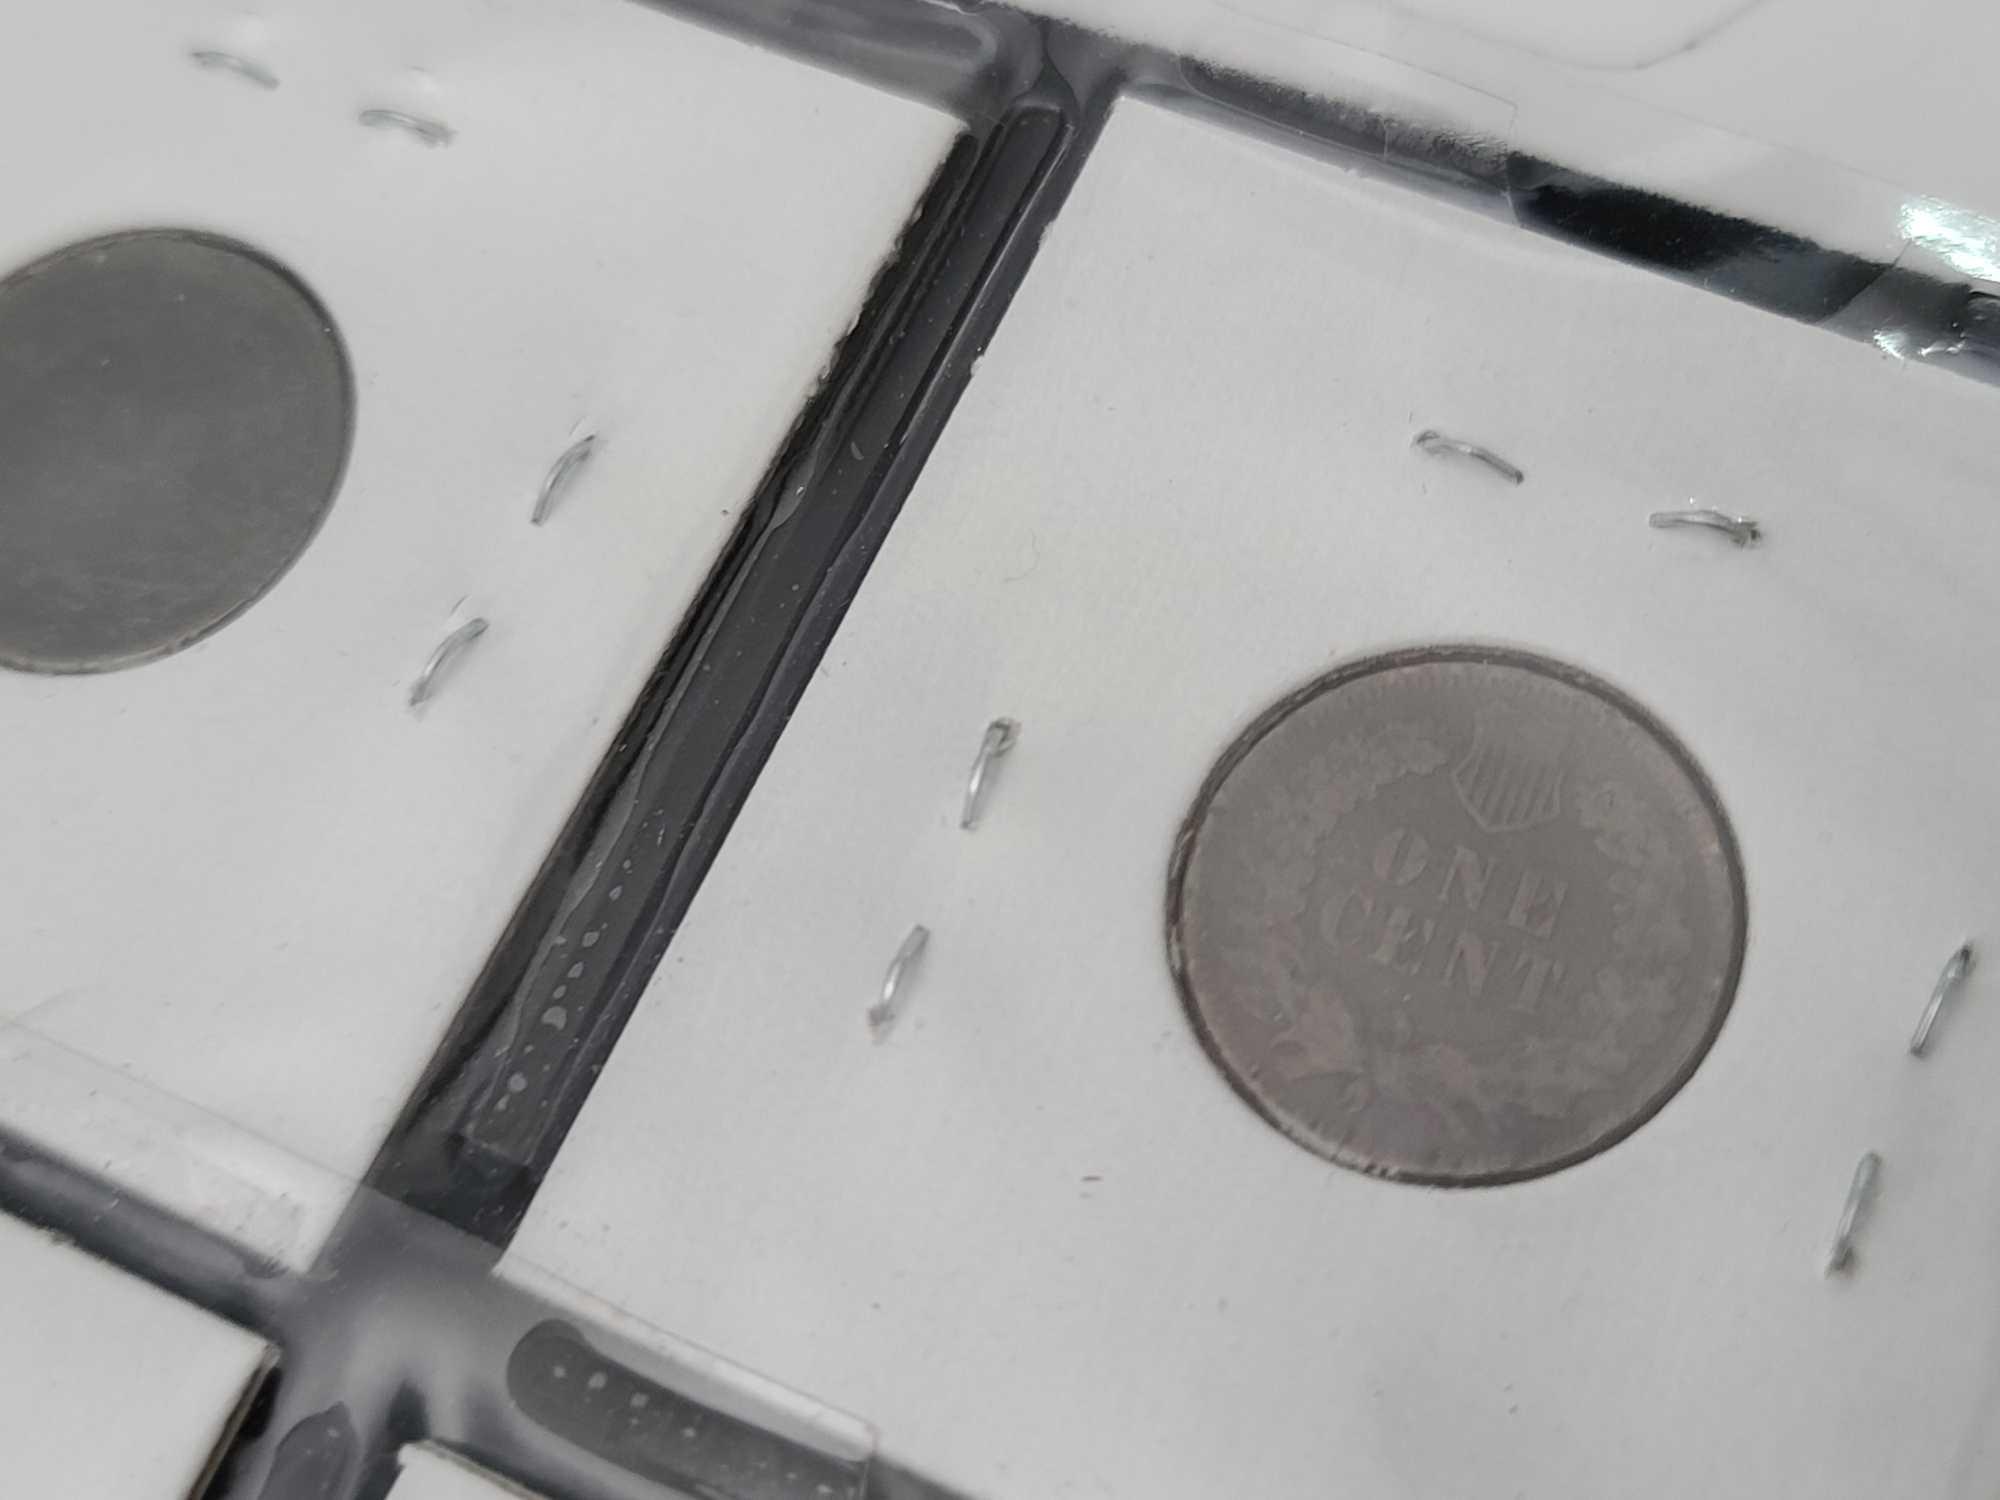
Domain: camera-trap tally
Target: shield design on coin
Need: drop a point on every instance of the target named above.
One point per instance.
(1512, 777)
(1457, 915)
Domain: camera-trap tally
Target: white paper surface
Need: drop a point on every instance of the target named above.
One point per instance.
(248, 878)
(1034, 1237)
(109, 1389)
(429, 1473)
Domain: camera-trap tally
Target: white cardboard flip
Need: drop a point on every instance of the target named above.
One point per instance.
(430, 1473)
(108, 1389)
(246, 886)
(1034, 1237)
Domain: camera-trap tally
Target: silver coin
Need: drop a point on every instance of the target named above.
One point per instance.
(1456, 916)
(175, 413)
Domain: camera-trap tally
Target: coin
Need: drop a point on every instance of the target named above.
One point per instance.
(1456, 915)
(175, 412)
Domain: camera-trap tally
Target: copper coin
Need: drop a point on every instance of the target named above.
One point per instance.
(1456, 915)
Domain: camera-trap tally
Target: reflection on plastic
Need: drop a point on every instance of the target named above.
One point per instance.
(1966, 241)
(579, 1394)
(1753, 221)
(315, 1458)
(1372, 111)
(1609, 35)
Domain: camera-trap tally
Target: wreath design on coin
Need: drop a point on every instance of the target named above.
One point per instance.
(1317, 1035)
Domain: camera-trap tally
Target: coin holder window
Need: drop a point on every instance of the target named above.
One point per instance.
(1036, 1227)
